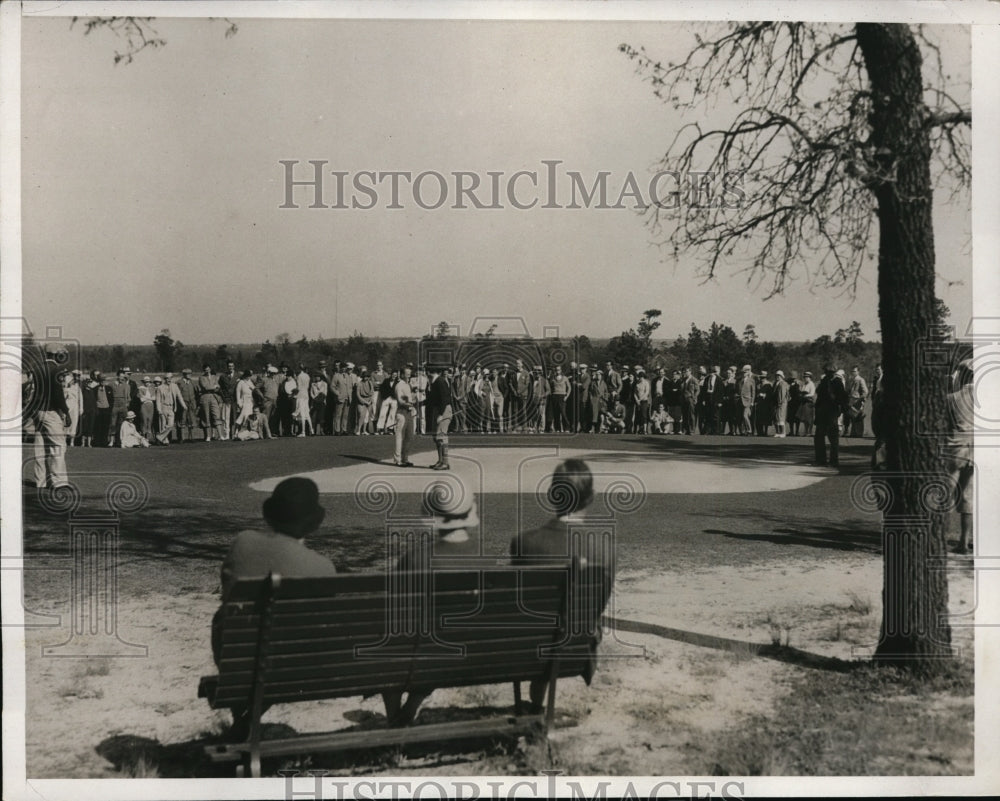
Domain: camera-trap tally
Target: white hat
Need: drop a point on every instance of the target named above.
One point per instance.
(272, 369)
(130, 415)
(779, 372)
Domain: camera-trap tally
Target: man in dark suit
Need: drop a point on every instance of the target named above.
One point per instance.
(711, 399)
(439, 400)
(831, 400)
(689, 402)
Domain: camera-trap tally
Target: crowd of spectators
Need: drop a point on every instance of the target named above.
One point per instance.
(341, 399)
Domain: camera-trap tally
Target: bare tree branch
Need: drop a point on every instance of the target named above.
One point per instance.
(801, 142)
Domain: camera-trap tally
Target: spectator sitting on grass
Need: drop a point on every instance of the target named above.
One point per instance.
(614, 419)
(252, 426)
(660, 421)
(129, 435)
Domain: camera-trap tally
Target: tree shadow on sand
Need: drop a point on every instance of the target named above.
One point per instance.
(834, 537)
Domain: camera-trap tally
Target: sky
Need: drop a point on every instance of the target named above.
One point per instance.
(152, 191)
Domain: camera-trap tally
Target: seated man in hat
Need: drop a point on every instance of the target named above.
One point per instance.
(291, 513)
(453, 543)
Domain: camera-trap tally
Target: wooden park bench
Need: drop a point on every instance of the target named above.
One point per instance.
(288, 640)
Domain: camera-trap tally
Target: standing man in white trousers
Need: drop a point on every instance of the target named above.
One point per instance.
(406, 415)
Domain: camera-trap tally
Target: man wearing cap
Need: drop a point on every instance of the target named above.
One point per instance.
(387, 412)
(659, 387)
(506, 385)
(691, 391)
(711, 398)
(269, 388)
(74, 402)
(642, 399)
(460, 398)
(614, 381)
(418, 383)
(340, 389)
(88, 395)
(702, 412)
(364, 397)
(227, 398)
(406, 412)
(485, 388)
(858, 393)
(318, 389)
(147, 407)
(209, 402)
(163, 402)
(519, 414)
(133, 387)
(763, 407)
(452, 543)
(187, 420)
(580, 394)
(378, 377)
(831, 398)
(50, 416)
(807, 404)
(560, 392)
(675, 400)
(538, 399)
(243, 406)
(597, 401)
(302, 381)
(102, 409)
(439, 403)
(747, 394)
(121, 393)
(780, 395)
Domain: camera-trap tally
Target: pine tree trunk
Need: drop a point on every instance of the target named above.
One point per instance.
(915, 629)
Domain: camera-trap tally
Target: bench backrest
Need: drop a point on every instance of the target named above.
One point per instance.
(351, 635)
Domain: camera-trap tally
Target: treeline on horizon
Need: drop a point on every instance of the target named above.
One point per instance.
(718, 344)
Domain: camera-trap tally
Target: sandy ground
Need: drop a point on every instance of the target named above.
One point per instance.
(652, 705)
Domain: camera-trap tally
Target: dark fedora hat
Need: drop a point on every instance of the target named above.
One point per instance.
(293, 507)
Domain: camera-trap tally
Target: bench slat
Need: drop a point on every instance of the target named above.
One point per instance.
(441, 674)
(488, 576)
(349, 740)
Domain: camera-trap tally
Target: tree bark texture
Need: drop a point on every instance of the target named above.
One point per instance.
(915, 629)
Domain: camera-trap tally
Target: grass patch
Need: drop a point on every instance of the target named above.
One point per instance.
(870, 721)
